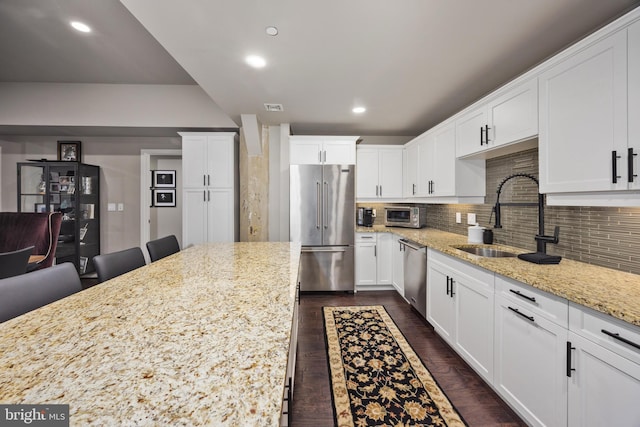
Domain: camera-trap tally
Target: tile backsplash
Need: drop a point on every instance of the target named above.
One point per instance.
(604, 236)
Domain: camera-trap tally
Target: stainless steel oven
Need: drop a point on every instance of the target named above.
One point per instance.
(405, 216)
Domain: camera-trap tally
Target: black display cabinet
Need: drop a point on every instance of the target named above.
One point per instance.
(73, 189)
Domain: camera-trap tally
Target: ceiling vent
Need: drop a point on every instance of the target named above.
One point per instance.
(274, 107)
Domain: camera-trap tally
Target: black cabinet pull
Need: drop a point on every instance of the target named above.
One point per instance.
(614, 166)
(569, 368)
(481, 137)
(413, 189)
(447, 285)
(532, 299)
(630, 157)
(516, 311)
(486, 134)
(619, 338)
(451, 293)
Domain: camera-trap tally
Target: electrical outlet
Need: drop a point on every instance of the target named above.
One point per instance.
(458, 218)
(471, 218)
(373, 213)
(120, 207)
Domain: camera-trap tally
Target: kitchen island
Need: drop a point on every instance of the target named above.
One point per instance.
(198, 338)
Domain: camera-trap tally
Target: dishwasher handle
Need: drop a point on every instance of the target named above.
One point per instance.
(412, 245)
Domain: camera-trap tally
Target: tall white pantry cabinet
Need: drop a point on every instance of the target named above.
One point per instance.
(209, 187)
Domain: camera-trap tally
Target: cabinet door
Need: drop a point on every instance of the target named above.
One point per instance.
(367, 173)
(220, 164)
(583, 116)
(468, 139)
(194, 216)
(339, 152)
(366, 263)
(195, 162)
(398, 266)
(390, 173)
(514, 115)
(440, 304)
(305, 152)
(385, 259)
(443, 163)
(425, 164)
(530, 364)
(474, 323)
(411, 154)
(634, 101)
(604, 388)
(220, 212)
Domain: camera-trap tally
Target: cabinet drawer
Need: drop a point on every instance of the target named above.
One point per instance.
(366, 237)
(549, 306)
(620, 337)
(479, 274)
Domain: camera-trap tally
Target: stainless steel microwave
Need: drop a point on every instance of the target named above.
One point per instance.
(405, 216)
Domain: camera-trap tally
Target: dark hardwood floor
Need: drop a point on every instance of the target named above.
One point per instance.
(475, 401)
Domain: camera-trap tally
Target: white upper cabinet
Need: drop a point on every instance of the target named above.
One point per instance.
(439, 175)
(379, 172)
(583, 119)
(411, 159)
(634, 106)
(318, 150)
(509, 116)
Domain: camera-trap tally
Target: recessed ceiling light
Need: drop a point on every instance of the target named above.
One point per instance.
(271, 30)
(255, 61)
(81, 27)
(359, 110)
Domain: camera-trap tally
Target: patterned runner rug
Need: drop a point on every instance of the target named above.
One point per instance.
(376, 377)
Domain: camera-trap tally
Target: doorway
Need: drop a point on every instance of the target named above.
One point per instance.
(156, 222)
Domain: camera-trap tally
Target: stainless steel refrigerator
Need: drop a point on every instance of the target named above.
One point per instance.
(322, 201)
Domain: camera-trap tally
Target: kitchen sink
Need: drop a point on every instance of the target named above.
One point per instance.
(485, 252)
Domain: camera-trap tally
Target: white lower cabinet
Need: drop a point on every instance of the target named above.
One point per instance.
(460, 307)
(530, 356)
(604, 386)
(374, 260)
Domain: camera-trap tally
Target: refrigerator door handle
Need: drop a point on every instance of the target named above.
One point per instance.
(326, 203)
(318, 203)
(325, 249)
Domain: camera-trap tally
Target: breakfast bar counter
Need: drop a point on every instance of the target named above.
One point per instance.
(198, 338)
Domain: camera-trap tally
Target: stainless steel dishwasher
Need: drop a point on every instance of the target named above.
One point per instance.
(415, 274)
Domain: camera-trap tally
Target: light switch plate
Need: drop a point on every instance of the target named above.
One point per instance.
(471, 218)
(111, 207)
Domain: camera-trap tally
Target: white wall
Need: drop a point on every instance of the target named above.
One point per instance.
(168, 220)
(73, 104)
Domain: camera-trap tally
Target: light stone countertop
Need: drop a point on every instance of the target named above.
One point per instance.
(608, 291)
(198, 338)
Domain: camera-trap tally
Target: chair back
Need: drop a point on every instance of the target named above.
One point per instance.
(114, 264)
(26, 292)
(41, 230)
(163, 247)
(14, 263)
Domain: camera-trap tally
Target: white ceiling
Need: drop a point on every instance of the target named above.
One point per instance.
(412, 63)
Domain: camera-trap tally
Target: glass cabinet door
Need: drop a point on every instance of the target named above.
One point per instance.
(88, 216)
(33, 189)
